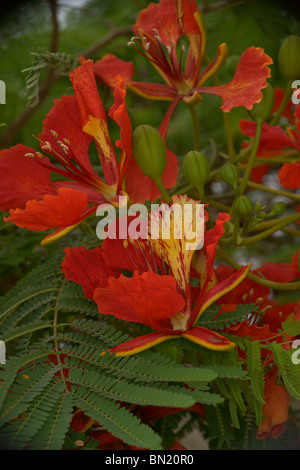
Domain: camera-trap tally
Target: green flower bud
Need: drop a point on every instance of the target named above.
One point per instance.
(278, 208)
(149, 150)
(230, 174)
(262, 110)
(289, 58)
(231, 64)
(244, 206)
(195, 168)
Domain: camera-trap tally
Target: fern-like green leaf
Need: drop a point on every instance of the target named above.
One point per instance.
(290, 372)
(291, 327)
(116, 419)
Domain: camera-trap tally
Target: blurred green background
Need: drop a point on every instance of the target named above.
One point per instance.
(26, 26)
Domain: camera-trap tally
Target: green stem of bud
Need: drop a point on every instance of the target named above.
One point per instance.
(252, 157)
(196, 131)
(264, 282)
(201, 194)
(268, 223)
(165, 195)
(270, 231)
(279, 192)
(230, 144)
(286, 98)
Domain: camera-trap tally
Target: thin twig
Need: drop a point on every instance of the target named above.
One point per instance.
(211, 8)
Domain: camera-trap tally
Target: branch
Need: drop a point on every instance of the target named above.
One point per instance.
(222, 5)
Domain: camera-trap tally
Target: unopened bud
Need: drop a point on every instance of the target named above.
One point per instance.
(262, 110)
(289, 58)
(230, 174)
(244, 206)
(195, 168)
(278, 208)
(149, 150)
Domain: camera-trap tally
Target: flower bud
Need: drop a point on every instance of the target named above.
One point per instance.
(278, 208)
(244, 206)
(262, 110)
(195, 168)
(230, 174)
(149, 150)
(289, 58)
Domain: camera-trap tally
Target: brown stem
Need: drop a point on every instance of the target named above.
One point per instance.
(222, 5)
(55, 26)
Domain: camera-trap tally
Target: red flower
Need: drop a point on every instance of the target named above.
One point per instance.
(39, 204)
(159, 292)
(159, 29)
(69, 128)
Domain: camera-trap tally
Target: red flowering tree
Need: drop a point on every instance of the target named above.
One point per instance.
(127, 327)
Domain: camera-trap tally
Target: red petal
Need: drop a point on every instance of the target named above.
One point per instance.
(65, 119)
(289, 175)
(222, 288)
(295, 264)
(61, 210)
(93, 118)
(272, 138)
(186, 10)
(118, 112)
(81, 422)
(247, 83)
(22, 179)
(211, 240)
(258, 173)
(208, 339)
(163, 17)
(109, 67)
(114, 253)
(215, 65)
(247, 291)
(278, 272)
(86, 92)
(153, 91)
(139, 344)
(171, 19)
(276, 408)
(276, 315)
(254, 332)
(87, 268)
(148, 299)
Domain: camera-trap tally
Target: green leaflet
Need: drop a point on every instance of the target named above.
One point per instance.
(290, 372)
(213, 320)
(52, 434)
(43, 59)
(291, 327)
(255, 369)
(117, 420)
